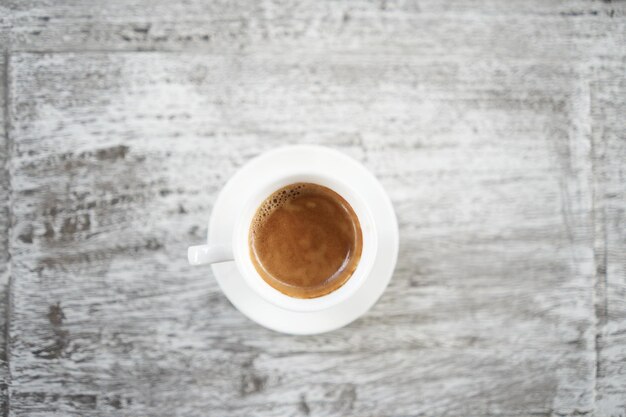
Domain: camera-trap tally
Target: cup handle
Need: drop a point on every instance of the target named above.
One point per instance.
(209, 254)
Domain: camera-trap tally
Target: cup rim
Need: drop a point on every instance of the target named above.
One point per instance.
(241, 250)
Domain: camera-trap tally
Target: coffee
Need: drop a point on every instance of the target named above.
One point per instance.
(305, 240)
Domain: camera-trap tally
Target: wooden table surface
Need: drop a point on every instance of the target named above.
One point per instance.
(498, 129)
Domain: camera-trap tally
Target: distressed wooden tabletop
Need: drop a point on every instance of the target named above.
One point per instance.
(497, 128)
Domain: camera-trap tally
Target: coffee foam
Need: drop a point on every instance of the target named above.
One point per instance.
(275, 201)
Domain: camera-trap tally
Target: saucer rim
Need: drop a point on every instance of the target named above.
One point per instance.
(338, 316)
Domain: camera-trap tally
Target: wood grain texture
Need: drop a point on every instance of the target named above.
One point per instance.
(497, 127)
(5, 220)
(609, 136)
(117, 159)
(546, 30)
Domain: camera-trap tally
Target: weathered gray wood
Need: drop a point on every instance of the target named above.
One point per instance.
(478, 116)
(117, 161)
(547, 30)
(4, 237)
(608, 95)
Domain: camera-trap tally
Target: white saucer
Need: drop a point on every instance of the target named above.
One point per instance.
(335, 164)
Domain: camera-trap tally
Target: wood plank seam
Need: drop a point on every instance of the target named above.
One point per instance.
(608, 86)
(599, 246)
(6, 233)
(600, 222)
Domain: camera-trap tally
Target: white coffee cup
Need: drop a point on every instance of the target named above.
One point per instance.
(237, 249)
